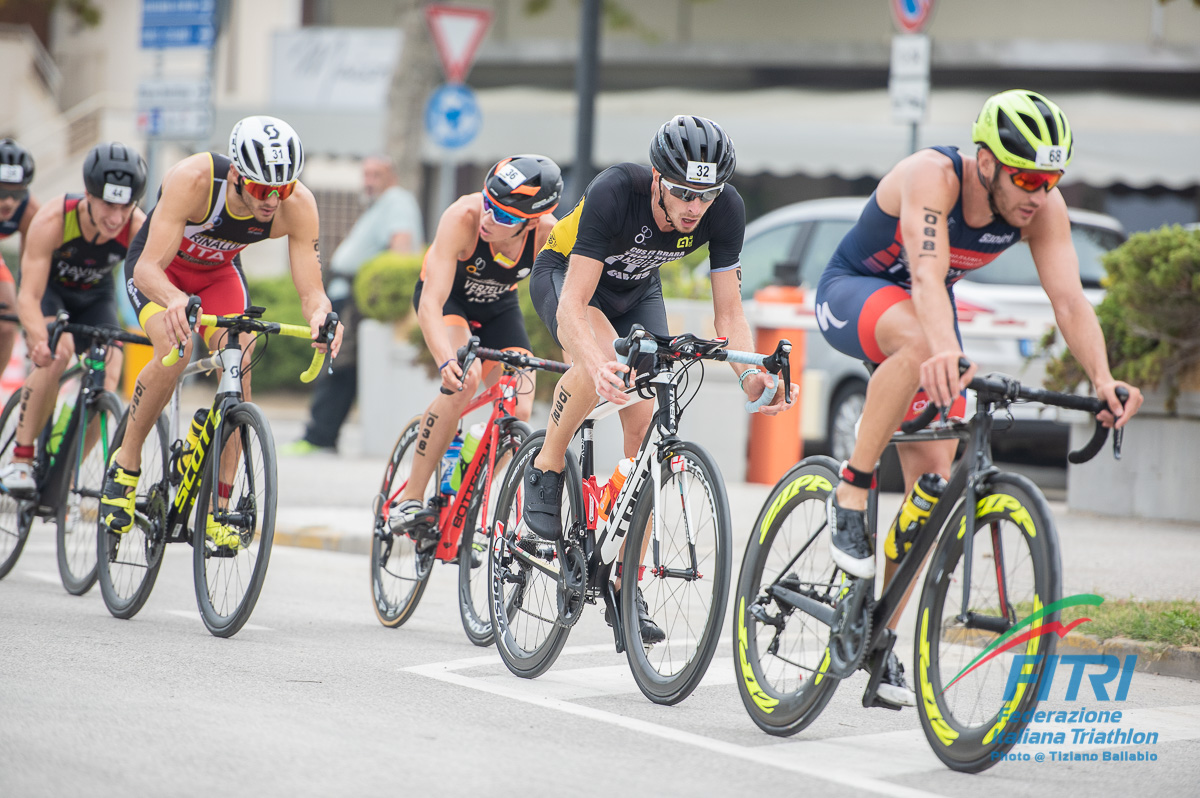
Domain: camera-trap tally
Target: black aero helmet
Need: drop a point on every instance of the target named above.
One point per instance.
(524, 185)
(16, 165)
(114, 173)
(692, 149)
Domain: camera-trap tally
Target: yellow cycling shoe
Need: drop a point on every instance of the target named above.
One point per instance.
(223, 535)
(119, 497)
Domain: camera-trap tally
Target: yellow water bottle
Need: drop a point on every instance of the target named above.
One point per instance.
(192, 439)
(470, 444)
(912, 516)
(60, 426)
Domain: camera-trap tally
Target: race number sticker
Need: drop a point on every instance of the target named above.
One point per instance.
(276, 155)
(12, 173)
(1051, 156)
(511, 175)
(701, 173)
(118, 195)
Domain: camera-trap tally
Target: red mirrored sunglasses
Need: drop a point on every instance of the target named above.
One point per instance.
(262, 191)
(1031, 180)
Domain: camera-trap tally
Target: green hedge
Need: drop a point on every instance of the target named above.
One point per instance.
(286, 358)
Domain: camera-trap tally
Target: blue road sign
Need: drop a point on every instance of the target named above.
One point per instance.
(177, 23)
(452, 116)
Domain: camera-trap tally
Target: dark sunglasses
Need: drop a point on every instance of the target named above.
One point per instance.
(262, 191)
(14, 193)
(1031, 180)
(503, 218)
(688, 194)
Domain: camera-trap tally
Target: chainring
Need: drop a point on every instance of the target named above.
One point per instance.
(851, 629)
(572, 583)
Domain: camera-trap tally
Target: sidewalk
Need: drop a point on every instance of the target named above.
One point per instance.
(325, 502)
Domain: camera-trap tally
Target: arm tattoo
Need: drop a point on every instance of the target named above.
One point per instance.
(929, 233)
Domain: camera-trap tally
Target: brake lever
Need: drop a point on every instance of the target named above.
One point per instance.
(60, 321)
(193, 313)
(1119, 432)
(466, 358)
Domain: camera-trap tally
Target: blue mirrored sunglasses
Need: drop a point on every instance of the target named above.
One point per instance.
(502, 218)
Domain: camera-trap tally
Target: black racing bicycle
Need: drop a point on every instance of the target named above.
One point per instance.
(801, 624)
(226, 470)
(69, 460)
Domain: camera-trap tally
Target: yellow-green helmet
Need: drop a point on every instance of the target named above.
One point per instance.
(1024, 130)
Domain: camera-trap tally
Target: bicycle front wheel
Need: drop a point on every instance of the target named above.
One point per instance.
(684, 575)
(14, 521)
(473, 546)
(128, 564)
(76, 521)
(780, 639)
(398, 574)
(234, 525)
(1015, 571)
(523, 568)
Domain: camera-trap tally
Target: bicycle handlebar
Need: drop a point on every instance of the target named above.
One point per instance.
(690, 347)
(467, 355)
(62, 324)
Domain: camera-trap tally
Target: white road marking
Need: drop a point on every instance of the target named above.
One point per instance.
(547, 692)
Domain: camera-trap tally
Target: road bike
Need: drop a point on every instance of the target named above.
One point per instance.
(226, 470)
(399, 570)
(674, 494)
(69, 460)
(801, 625)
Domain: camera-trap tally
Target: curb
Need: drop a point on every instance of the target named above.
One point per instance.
(1157, 658)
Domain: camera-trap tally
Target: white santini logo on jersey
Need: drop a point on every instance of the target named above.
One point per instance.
(826, 319)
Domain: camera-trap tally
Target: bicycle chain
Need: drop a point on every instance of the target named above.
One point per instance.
(851, 629)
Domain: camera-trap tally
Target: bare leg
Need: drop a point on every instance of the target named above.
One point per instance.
(151, 393)
(8, 329)
(38, 394)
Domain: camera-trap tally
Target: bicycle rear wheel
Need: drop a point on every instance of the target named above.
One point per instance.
(239, 492)
(128, 564)
(1015, 571)
(780, 650)
(473, 545)
(76, 521)
(686, 577)
(14, 519)
(522, 569)
(398, 574)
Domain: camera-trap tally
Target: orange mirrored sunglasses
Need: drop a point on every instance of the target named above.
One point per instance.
(262, 191)
(1031, 180)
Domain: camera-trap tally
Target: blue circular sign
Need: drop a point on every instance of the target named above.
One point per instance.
(452, 116)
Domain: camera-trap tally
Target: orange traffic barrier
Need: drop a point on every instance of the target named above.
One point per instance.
(136, 357)
(775, 443)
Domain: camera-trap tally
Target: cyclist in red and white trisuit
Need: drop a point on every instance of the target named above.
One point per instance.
(17, 209)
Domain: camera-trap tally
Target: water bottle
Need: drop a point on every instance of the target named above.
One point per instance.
(912, 516)
(60, 426)
(449, 461)
(192, 439)
(469, 445)
(614, 485)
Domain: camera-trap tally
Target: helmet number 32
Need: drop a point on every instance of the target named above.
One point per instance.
(701, 174)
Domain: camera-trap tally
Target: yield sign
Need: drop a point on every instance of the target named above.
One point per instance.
(457, 32)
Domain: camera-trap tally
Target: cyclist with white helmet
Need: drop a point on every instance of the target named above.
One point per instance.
(74, 245)
(210, 208)
(485, 244)
(598, 275)
(17, 209)
(886, 297)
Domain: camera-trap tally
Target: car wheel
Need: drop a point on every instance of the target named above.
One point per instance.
(844, 412)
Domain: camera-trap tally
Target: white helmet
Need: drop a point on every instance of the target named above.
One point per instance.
(266, 150)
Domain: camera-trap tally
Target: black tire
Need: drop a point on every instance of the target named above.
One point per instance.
(781, 669)
(523, 599)
(127, 565)
(15, 519)
(695, 537)
(962, 719)
(473, 585)
(844, 410)
(398, 577)
(76, 521)
(229, 580)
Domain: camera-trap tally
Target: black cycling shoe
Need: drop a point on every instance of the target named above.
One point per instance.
(893, 689)
(850, 546)
(650, 632)
(543, 502)
(414, 519)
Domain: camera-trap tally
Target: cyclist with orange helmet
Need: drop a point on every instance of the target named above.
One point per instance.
(17, 209)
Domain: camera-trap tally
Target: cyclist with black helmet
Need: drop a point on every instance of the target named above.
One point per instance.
(210, 208)
(17, 209)
(485, 244)
(73, 247)
(886, 297)
(598, 275)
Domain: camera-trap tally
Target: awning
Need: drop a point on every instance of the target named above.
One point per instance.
(1125, 139)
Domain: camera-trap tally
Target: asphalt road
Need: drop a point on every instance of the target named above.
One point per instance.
(314, 697)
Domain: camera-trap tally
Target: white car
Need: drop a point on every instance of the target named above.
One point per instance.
(1002, 311)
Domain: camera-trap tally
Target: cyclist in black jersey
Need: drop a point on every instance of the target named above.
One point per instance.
(17, 209)
(74, 245)
(484, 245)
(598, 275)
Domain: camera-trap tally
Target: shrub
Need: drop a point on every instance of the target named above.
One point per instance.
(1150, 314)
(285, 358)
(384, 285)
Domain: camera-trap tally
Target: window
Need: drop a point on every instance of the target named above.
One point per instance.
(761, 253)
(1015, 265)
(822, 243)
